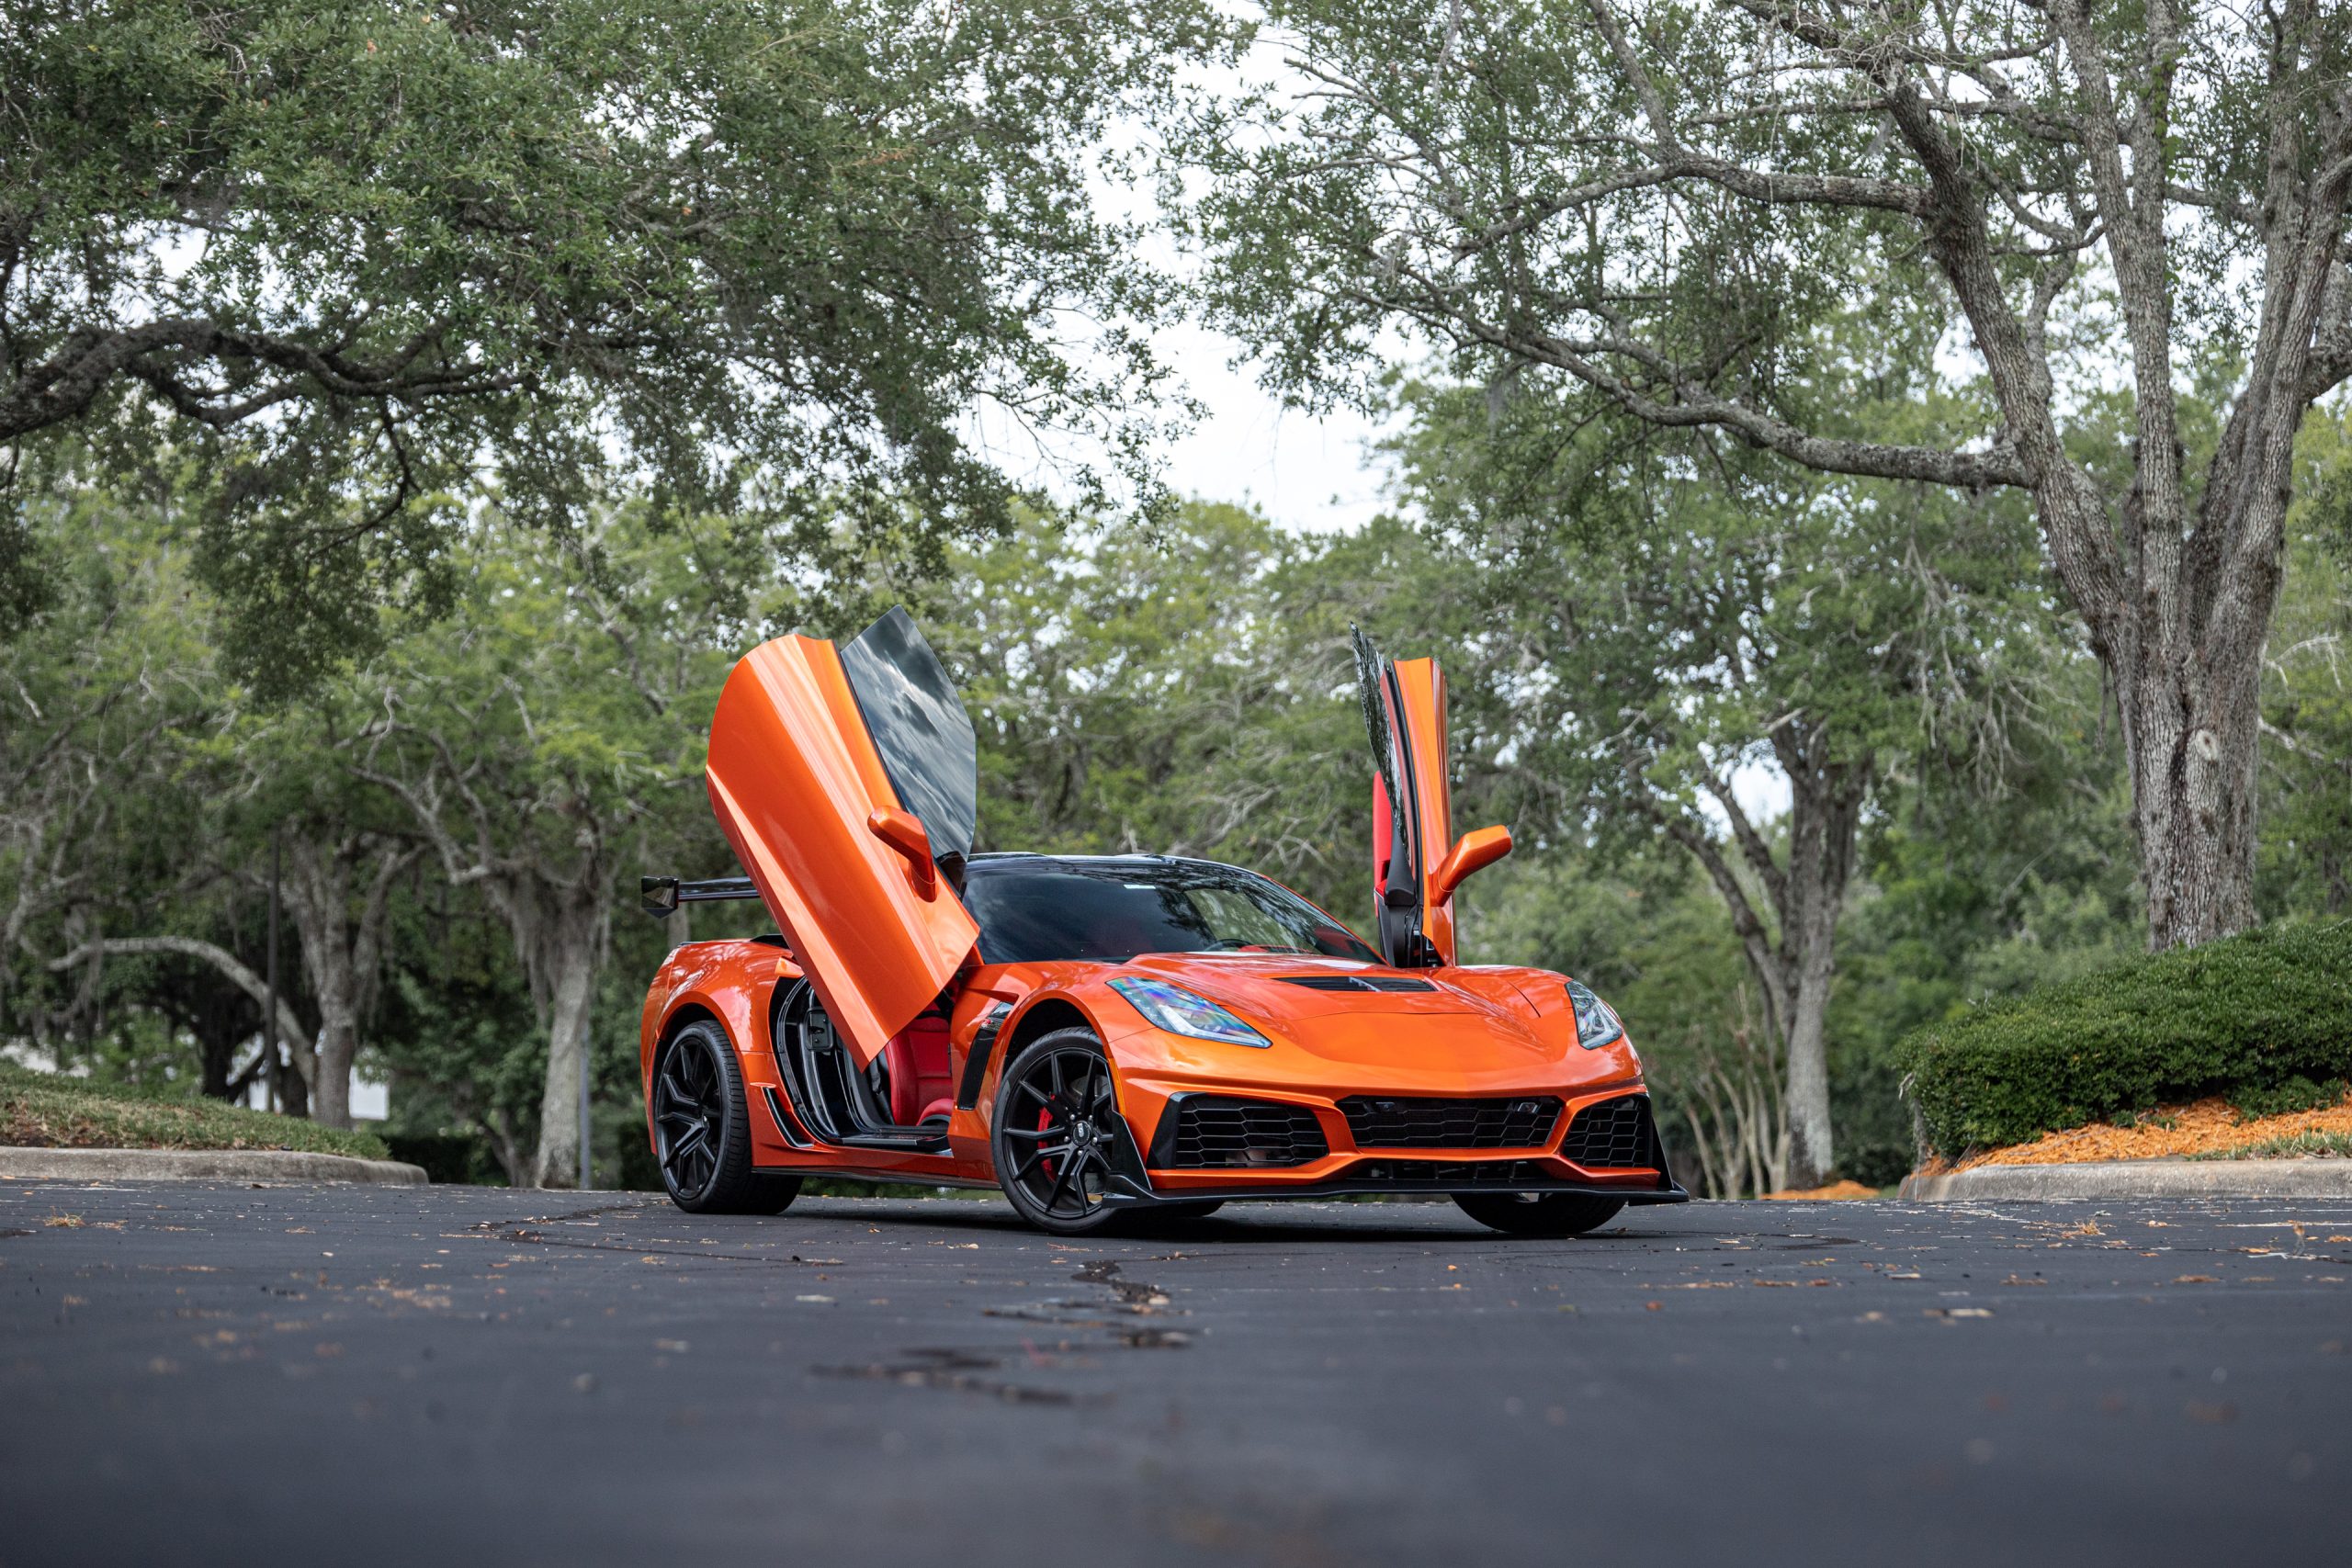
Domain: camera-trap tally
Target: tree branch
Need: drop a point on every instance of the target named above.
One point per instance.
(244, 980)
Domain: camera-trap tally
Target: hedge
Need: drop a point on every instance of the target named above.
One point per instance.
(2247, 1013)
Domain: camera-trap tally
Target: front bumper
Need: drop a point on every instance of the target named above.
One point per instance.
(1346, 1169)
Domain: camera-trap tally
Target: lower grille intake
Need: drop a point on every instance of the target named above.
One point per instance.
(1615, 1132)
(1450, 1175)
(1203, 1131)
(1380, 1121)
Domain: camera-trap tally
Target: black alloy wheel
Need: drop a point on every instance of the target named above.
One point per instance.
(1054, 1129)
(1540, 1213)
(701, 1130)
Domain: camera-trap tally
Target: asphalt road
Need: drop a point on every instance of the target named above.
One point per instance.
(443, 1376)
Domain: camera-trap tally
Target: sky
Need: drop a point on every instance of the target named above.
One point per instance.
(1314, 473)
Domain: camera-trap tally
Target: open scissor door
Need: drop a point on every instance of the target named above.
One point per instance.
(843, 777)
(1412, 806)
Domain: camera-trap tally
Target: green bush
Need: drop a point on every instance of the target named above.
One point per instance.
(2241, 1017)
(2255, 1101)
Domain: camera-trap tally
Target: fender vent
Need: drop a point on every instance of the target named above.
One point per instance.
(1202, 1132)
(1615, 1132)
(1381, 1122)
(1358, 983)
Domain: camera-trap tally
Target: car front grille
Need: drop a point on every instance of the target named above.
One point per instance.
(1614, 1132)
(1212, 1132)
(1358, 982)
(1381, 1121)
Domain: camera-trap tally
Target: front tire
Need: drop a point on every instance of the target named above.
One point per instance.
(702, 1131)
(1053, 1131)
(1540, 1213)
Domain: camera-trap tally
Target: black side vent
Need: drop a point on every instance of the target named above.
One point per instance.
(1615, 1132)
(1521, 1121)
(1358, 982)
(1202, 1132)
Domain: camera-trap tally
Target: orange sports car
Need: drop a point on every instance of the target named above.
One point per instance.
(1103, 1036)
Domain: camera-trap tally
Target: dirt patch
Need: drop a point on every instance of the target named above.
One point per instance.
(1835, 1190)
(2206, 1126)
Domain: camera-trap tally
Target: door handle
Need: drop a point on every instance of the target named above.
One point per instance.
(903, 832)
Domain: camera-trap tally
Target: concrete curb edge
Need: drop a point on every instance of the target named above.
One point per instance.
(2140, 1178)
(201, 1165)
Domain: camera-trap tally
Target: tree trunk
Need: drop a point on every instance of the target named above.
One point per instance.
(2193, 756)
(1824, 813)
(572, 990)
(342, 949)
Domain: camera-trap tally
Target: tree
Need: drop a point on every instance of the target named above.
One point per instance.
(547, 731)
(1662, 202)
(101, 686)
(1661, 613)
(288, 807)
(1182, 690)
(759, 250)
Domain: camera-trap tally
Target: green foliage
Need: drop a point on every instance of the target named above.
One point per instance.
(2305, 859)
(758, 252)
(51, 1111)
(1185, 690)
(2250, 1012)
(2255, 1101)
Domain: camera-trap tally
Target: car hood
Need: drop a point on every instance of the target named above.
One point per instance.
(1470, 1027)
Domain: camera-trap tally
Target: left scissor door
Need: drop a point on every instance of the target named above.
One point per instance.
(840, 833)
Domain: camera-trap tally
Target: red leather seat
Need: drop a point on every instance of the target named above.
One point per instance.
(918, 1059)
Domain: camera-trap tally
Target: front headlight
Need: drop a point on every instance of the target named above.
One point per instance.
(1179, 1011)
(1597, 1022)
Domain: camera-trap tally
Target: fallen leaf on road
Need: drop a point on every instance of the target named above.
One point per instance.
(2196, 1280)
(64, 1222)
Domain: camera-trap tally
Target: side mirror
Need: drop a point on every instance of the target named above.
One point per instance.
(1477, 849)
(658, 895)
(903, 832)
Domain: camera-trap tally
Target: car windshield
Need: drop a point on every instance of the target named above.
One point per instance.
(1032, 909)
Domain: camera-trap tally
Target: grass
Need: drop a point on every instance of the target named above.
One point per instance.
(2294, 1146)
(51, 1111)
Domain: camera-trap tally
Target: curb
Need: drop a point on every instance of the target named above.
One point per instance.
(201, 1165)
(2140, 1178)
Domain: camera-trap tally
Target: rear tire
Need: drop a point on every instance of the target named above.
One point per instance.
(1540, 1213)
(702, 1130)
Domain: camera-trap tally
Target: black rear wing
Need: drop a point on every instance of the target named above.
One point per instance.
(661, 895)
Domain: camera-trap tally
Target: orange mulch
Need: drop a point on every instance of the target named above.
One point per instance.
(1812, 1195)
(2204, 1127)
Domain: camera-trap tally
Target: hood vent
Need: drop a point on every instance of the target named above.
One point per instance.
(1358, 982)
